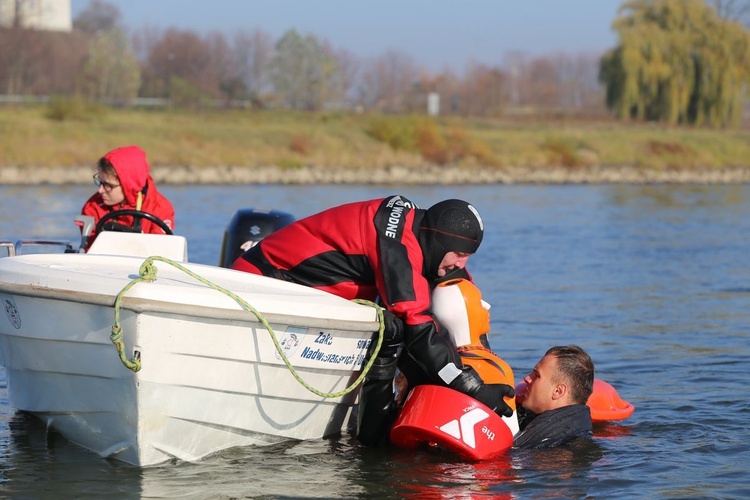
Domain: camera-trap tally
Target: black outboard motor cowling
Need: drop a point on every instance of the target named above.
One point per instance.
(246, 228)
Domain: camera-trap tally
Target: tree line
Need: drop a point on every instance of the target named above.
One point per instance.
(678, 61)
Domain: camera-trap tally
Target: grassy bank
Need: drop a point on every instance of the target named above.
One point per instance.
(29, 138)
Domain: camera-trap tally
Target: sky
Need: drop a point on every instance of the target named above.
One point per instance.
(438, 34)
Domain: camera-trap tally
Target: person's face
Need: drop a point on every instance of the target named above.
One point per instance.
(452, 260)
(110, 188)
(540, 389)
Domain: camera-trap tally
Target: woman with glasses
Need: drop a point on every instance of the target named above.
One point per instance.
(124, 183)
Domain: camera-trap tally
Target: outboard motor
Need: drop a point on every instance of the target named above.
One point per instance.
(246, 228)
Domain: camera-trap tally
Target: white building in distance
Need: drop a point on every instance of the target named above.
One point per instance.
(52, 15)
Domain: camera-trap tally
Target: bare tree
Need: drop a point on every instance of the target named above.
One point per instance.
(349, 67)
(580, 90)
(181, 62)
(251, 53)
(40, 62)
(98, 17)
(484, 91)
(387, 80)
(143, 41)
(224, 78)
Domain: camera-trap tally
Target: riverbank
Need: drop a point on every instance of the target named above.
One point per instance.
(446, 175)
(278, 147)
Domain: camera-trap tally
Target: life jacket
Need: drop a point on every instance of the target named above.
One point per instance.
(440, 416)
(458, 305)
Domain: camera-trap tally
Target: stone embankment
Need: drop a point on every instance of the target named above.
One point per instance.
(10, 175)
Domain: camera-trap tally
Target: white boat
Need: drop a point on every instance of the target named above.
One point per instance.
(211, 376)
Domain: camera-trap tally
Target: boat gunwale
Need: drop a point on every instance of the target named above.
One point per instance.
(141, 305)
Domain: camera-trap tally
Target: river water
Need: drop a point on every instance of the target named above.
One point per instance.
(652, 280)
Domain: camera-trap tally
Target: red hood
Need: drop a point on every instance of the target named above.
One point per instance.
(132, 170)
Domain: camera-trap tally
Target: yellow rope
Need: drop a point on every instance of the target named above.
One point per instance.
(148, 271)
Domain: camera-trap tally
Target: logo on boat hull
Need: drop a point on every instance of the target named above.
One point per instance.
(291, 340)
(12, 311)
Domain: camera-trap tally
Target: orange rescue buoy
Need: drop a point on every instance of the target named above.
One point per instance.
(439, 416)
(605, 403)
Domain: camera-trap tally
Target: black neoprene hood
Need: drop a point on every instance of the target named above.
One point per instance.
(449, 226)
(455, 224)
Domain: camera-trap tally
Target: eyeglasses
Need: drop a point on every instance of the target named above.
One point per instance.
(108, 186)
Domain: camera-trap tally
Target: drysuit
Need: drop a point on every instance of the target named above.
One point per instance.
(386, 249)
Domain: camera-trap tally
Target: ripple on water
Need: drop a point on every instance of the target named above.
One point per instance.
(653, 281)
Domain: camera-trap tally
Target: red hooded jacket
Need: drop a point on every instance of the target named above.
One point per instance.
(133, 173)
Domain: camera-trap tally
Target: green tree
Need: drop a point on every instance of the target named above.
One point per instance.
(304, 73)
(111, 72)
(677, 61)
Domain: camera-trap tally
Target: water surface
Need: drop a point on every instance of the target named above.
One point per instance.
(653, 281)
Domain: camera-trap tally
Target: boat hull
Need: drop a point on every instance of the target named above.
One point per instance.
(211, 376)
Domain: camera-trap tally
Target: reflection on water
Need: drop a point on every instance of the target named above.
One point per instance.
(43, 461)
(653, 281)
(289, 469)
(317, 469)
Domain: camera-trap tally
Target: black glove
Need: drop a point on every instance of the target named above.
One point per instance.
(393, 336)
(491, 395)
(394, 329)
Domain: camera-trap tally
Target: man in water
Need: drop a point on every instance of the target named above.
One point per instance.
(389, 249)
(553, 409)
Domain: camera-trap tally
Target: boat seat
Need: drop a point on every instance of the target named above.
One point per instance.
(172, 247)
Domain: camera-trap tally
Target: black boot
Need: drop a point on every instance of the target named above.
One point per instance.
(377, 407)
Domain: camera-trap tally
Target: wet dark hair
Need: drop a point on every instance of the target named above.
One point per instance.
(574, 365)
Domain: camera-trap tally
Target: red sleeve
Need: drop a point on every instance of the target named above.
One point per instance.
(404, 290)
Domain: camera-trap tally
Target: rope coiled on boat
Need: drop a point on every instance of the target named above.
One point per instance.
(147, 273)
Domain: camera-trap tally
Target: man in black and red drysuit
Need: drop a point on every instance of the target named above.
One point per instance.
(391, 249)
